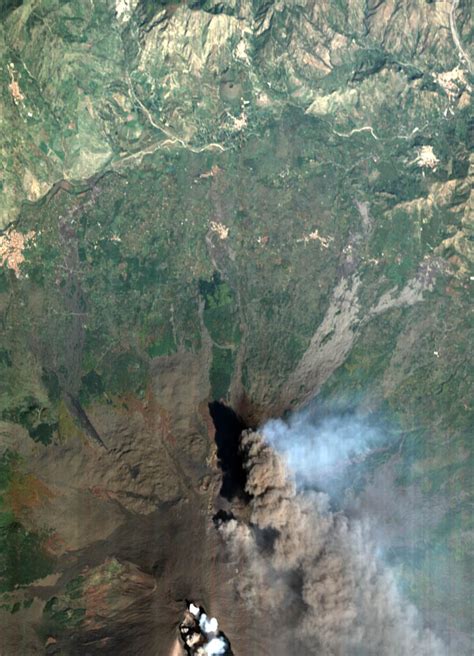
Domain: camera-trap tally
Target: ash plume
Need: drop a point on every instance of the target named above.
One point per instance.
(313, 573)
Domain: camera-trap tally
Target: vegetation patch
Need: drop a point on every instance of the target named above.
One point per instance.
(23, 557)
(221, 372)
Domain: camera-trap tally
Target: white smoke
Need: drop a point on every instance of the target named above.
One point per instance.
(201, 634)
(209, 626)
(317, 450)
(216, 647)
(311, 572)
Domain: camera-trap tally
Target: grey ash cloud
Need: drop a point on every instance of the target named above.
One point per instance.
(313, 572)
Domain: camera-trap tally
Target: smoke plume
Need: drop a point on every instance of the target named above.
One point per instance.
(318, 451)
(311, 571)
(201, 635)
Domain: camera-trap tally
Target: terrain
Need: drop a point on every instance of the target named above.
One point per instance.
(212, 214)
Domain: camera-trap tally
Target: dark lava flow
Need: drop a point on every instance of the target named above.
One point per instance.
(229, 427)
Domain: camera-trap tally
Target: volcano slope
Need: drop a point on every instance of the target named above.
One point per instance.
(253, 204)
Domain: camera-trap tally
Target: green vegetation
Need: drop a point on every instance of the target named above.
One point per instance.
(23, 558)
(37, 420)
(221, 372)
(57, 617)
(221, 313)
